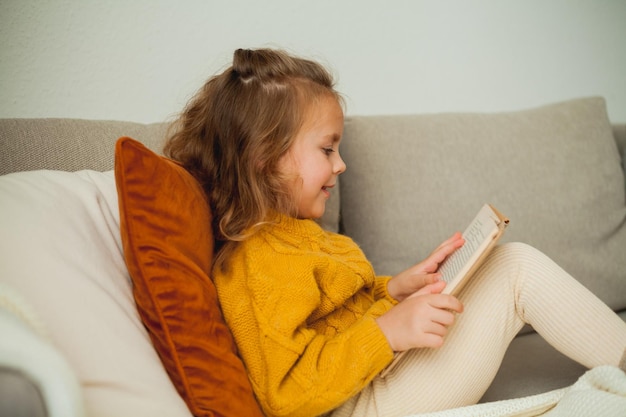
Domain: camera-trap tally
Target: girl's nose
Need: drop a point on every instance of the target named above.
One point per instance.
(340, 166)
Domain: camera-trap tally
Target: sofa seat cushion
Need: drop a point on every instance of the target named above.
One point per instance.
(555, 171)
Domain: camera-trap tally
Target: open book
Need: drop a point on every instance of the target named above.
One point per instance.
(480, 237)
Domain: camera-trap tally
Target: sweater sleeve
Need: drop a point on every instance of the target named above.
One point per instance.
(380, 289)
(296, 369)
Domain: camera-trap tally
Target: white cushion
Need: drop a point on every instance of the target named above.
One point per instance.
(61, 250)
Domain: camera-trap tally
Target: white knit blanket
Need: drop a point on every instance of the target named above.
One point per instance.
(600, 392)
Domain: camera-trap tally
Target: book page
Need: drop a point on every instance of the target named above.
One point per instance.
(477, 236)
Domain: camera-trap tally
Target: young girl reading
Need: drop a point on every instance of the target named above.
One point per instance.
(314, 325)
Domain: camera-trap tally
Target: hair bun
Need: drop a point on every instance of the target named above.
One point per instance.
(267, 65)
(263, 63)
(243, 62)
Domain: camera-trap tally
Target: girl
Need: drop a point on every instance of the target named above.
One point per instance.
(315, 327)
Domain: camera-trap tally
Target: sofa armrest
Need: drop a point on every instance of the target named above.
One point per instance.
(35, 380)
(19, 396)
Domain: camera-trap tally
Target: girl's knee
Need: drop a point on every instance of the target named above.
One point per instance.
(518, 261)
(518, 251)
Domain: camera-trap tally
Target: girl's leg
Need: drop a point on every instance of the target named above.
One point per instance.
(516, 285)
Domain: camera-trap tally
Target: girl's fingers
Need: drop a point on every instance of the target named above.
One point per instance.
(447, 302)
(443, 302)
(443, 318)
(456, 236)
(431, 263)
(430, 340)
(434, 288)
(452, 240)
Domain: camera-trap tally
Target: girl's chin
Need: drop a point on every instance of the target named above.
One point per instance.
(313, 214)
(312, 211)
(320, 212)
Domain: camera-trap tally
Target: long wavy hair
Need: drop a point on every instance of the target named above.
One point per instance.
(233, 132)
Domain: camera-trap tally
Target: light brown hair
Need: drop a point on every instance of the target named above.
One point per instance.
(233, 132)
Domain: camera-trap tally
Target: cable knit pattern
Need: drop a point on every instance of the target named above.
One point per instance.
(301, 304)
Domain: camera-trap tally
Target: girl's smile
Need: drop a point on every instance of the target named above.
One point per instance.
(326, 188)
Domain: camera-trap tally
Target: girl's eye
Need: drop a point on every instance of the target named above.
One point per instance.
(328, 151)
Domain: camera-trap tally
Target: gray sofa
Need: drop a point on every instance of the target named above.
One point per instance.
(557, 171)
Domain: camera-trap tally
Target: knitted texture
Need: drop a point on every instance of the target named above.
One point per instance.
(301, 304)
(601, 391)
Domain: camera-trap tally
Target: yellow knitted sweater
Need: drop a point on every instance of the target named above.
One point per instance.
(301, 304)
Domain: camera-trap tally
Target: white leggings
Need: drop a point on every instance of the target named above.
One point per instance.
(516, 285)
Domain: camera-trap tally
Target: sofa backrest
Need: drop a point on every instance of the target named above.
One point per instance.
(77, 144)
(68, 144)
(386, 206)
(555, 171)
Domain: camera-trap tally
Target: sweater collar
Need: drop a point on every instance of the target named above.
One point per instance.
(298, 227)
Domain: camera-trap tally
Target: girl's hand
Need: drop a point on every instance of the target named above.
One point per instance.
(424, 273)
(421, 320)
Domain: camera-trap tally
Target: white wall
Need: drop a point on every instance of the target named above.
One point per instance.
(141, 60)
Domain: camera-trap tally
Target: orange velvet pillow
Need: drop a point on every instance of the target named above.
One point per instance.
(166, 232)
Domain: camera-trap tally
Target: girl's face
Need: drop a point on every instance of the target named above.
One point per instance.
(313, 159)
